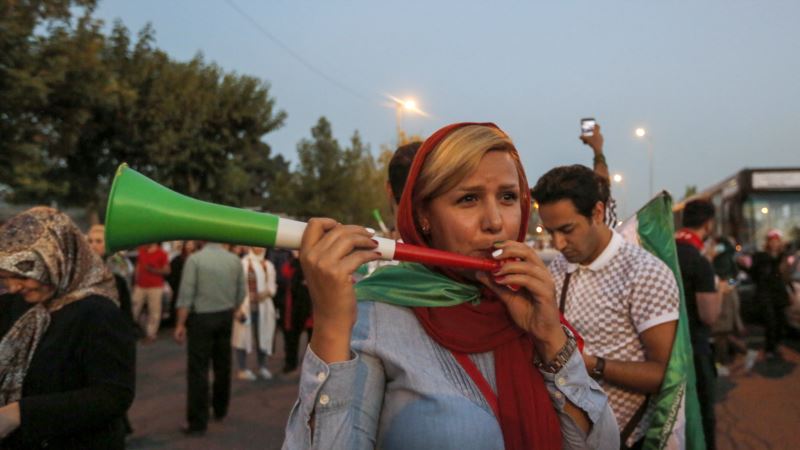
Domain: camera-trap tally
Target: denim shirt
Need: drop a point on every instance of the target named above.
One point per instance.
(402, 390)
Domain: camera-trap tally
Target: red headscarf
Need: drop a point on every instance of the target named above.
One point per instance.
(526, 413)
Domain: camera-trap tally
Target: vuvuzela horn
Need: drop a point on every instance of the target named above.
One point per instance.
(141, 211)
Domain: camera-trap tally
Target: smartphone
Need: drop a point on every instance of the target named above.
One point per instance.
(587, 126)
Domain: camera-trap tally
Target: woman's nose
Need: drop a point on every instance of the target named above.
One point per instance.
(492, 218)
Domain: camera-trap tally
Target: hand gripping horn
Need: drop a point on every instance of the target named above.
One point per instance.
(141, 211)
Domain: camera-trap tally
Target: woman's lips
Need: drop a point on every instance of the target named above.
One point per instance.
(483, 253)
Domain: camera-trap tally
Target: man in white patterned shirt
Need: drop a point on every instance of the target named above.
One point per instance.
(621, 299)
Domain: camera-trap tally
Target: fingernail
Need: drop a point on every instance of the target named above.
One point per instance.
(495, 272)
(376, 242)
(379, 254)
(371, 231)
(497, 253)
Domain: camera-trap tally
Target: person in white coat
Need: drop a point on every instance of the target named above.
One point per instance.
(256, 315)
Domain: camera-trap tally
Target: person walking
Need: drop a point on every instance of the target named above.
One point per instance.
(152, 264)
(255, 318)
(212, 287)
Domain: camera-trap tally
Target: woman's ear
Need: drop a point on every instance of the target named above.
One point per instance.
(424, 222)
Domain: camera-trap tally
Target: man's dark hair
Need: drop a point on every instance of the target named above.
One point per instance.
(697, 212)
(576, 183)
(399, 166)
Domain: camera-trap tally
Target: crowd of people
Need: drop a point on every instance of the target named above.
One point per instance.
(565, 355)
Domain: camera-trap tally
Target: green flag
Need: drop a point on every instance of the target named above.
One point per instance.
(676, 422)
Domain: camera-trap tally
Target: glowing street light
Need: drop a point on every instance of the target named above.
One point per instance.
(409, 104)
(617, 178)
(401, 106)
(765, 210)
(641, 133)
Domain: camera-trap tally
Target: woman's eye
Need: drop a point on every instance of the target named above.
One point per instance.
(510, 196)
(468, 198)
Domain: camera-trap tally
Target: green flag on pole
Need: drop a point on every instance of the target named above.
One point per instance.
(676, 422)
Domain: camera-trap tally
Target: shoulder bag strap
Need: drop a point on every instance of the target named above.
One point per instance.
(564, 287)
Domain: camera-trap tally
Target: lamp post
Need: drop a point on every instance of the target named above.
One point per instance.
(641, 133)
(617, 178)
(401, 106)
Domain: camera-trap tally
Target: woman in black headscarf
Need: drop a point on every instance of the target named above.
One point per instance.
(67, 354)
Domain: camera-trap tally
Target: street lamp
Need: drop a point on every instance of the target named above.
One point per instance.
(641, 133)
(406, 105)
(617, 178)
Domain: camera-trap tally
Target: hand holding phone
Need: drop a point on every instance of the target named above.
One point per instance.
(587, 126)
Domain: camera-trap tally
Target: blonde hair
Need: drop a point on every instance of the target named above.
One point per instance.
(457, 156)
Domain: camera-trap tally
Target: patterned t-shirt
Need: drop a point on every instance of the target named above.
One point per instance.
(624, 292)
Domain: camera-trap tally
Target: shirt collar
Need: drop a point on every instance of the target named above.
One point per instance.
(605, 257)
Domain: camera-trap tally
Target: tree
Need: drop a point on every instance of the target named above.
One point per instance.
(26, 75)
(690, 191)
(344, 184)
(76, 103)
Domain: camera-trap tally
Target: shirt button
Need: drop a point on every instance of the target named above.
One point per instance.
(321, 376)
(324, 399)
(561, 381)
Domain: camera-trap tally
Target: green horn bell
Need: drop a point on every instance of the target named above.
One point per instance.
(141, 211)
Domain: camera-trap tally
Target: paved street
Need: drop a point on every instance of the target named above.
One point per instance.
(760, 410)
(257, 413)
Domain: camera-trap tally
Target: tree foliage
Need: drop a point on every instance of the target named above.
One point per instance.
(74, 103)
(332, 181)
(690, 191)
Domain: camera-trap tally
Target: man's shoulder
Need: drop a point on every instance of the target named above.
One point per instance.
(640, 264)
(639, 255)
(688, 254)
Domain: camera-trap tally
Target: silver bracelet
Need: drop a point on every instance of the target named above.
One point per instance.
(561, 358)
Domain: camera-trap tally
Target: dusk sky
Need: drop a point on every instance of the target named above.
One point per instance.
(715, 83)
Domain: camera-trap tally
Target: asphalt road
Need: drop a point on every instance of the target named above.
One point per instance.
(756, 410)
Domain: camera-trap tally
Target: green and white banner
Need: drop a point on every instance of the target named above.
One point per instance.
(676, 423)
